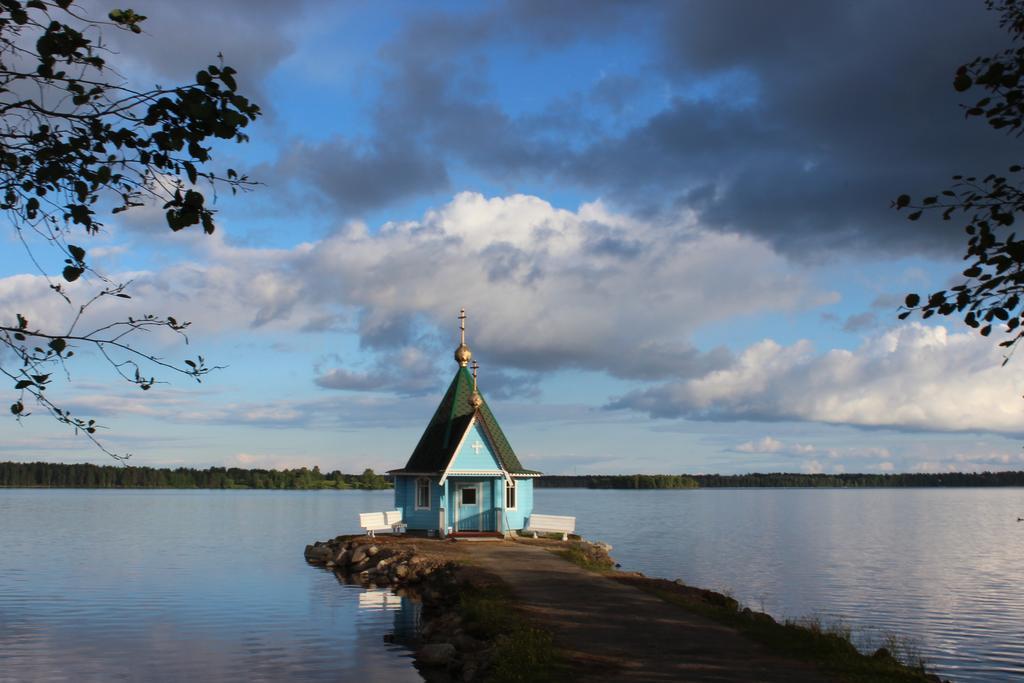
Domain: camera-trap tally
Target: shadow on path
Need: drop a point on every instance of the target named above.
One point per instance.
(614, 632)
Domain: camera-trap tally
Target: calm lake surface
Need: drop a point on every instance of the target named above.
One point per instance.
(211, 585)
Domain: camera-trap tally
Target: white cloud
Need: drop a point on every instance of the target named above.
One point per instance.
(544, 287)
(765, 445)
(812, 467)
(912, 377)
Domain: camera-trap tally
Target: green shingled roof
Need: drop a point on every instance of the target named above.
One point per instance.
(450, 421)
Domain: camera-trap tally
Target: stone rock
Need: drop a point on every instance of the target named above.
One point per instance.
(363, 566)
(435, 654)
(607, 547)
(467, 643)
(358, 554)
(401, 571)
(372, 550)
(342, 557)
(416, 559)
(318, 553)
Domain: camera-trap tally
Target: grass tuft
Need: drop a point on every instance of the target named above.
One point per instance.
(523, 652)
(587, 556)
(827, 645)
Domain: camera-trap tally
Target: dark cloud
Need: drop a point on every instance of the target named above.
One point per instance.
(797, 122)
(616, 91)
(184, 36)
(861, 322)
(406, 372)
(357, 178)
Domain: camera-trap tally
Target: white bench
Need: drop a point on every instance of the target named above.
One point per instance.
(382, 521)
(551, 523)
(394, 518)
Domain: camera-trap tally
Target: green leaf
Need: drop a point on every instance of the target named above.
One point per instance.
(912, 300)
(962, 82)
(57, 344)
(902, 201)
(77, 252)
(72, 273)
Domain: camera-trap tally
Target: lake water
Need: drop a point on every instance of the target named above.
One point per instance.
(211, 585)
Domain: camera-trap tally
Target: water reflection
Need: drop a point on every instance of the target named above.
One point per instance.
(178, 585)
(403, 605)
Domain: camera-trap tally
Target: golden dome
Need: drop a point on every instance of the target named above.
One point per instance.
(475, 399)
(463, 355)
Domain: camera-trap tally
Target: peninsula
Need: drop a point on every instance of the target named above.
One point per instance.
(544, 610)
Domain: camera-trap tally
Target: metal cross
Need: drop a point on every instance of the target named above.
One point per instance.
(477, 446)
(462, 325)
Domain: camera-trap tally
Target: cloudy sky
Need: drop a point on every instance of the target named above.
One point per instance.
(669, 223)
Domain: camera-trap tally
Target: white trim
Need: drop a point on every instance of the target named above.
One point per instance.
(494, 451)
(455, 453)
(416, 493)
(476, 473)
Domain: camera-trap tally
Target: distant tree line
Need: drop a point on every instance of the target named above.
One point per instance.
(780, 480)
(618, 481)
(54, 475)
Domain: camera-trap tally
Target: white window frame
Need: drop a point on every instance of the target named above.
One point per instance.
(416, 492)
(510, 487)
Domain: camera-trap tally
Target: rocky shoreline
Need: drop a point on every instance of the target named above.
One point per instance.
(447, 651)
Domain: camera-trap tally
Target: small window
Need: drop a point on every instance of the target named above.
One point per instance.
(510, 495)
(423, 494)
(469, 496)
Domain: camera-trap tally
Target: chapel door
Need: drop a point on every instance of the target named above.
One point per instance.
(468, 507)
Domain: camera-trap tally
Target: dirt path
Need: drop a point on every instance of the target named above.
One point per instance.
(614, 632)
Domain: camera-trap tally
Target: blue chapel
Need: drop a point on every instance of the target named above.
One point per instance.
(463, 475)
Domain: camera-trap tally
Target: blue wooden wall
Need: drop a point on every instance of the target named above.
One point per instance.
(405, 500)
(492, 498)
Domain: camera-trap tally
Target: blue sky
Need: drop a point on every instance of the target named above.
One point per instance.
(669, 223)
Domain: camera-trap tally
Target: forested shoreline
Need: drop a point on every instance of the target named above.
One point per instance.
(84, 475)
(780, 480)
